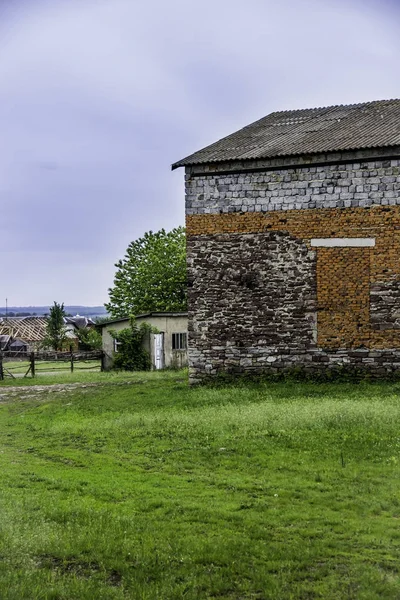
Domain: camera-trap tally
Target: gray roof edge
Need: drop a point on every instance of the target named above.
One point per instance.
(191, 159)
(142, 316)
(203, 162)
(295, 160)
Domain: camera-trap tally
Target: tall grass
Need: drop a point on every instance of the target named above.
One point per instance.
(143, 488)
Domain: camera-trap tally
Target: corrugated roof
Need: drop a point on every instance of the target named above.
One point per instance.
(308, 131)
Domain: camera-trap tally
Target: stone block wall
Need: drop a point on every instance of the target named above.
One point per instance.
(357, 184)
(262, 298)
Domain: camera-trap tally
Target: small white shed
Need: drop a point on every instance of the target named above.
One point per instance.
(168, 348)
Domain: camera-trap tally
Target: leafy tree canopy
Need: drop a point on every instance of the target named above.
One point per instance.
(89, 339)
(151, 276)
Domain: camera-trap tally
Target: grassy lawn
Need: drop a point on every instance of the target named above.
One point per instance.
(140, 488)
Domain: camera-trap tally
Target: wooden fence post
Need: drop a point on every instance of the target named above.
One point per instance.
(1, 367)
(72, 361)
(32, 361)
(102, 365)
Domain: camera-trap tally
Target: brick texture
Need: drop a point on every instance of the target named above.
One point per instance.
(251, 296)
(343, 276)
(379, 222)
(363, 184)
(261, 299)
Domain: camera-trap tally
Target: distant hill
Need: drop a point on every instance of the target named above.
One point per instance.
(26, 311)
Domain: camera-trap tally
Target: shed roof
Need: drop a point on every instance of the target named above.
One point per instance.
(308, 131)
(143, 316)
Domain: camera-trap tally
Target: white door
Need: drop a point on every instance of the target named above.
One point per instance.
(158, 350)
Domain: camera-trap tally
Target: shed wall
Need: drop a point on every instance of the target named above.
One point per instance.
(165, 324)
(168, 326)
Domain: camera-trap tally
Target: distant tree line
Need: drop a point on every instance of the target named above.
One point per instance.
(18, 314)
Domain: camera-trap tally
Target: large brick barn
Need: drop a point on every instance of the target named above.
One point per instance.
(293, 238)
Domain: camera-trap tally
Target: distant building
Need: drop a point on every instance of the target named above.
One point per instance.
(167, 348)
(80, 322)
(5, 341)
(26, 334)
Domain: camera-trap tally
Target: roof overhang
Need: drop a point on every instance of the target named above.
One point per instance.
(332, 129)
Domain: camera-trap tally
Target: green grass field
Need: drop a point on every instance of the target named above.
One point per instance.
(141, 488)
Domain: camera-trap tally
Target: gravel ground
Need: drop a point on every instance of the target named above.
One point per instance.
(21, 393)
(13, 393)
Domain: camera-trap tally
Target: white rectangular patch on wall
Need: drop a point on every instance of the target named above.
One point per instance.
(343, 242)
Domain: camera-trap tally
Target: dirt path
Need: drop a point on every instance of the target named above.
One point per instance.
(19, 392)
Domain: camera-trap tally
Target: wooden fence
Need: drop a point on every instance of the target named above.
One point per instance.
(35, 358)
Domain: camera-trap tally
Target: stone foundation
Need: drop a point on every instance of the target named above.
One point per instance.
(375, 364)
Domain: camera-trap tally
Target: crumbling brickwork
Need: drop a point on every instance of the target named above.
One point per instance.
(385, 304)
(262, 298)
(251, 296)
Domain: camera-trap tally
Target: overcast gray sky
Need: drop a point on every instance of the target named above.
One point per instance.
(99, 97)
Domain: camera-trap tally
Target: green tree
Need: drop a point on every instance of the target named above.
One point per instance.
(89, 339)
(100, 320)
(131, 355)
(151, 276)
(56, 332)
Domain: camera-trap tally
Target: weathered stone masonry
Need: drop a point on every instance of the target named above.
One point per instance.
(262, 297)
(349, 185)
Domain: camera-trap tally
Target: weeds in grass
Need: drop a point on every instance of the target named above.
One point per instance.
(142, 488)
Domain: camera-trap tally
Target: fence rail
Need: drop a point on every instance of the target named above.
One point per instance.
(35, 358)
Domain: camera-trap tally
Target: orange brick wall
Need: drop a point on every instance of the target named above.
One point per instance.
(344, 275)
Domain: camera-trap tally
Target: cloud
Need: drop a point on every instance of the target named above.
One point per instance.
(98, 98)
